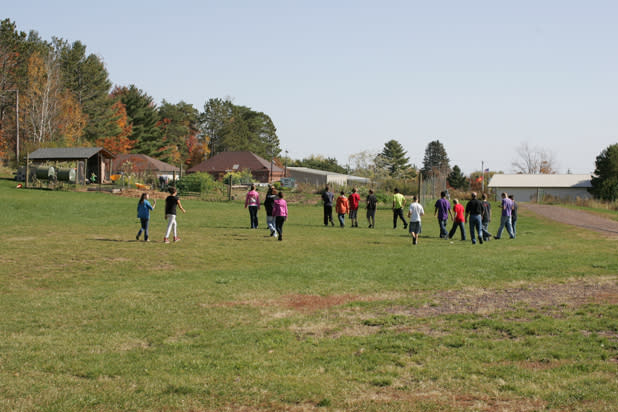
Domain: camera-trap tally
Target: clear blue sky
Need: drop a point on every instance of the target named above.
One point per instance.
(341, 77)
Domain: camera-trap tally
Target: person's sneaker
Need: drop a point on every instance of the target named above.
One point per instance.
(332, 223)
(272, 233)
(137, 237)
(176, 239)
(405, 225)
(166, 240)
(146, 240)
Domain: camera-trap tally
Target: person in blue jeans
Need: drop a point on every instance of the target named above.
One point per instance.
(458, 220)
(443, 210)
(514, 215)
(505, 219)
(474, 215)
(143, 213)
(486, 218)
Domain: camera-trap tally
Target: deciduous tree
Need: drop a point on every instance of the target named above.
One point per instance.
(216, 114)
(179, 125)
(121, 142)
(534, 160)
(42, 97)
(319, 162)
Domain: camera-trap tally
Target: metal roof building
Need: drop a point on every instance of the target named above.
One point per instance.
(322, 177)
(526, 187)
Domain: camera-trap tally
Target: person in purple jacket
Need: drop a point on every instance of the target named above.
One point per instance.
(443, 210)
(505, 219)
(280, 213)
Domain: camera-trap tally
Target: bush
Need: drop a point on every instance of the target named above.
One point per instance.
(406, 187)
(197, 182)
(239, 178)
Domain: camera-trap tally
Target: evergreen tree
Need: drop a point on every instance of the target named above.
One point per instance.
(436, 160)
(393, 158)
(605, 179)
(456, 179)
(144, 120)
(86, 76)
(16, 47)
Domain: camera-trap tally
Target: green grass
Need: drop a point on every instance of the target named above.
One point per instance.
(328, 319)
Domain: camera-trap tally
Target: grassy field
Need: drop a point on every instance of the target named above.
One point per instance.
(328, 319)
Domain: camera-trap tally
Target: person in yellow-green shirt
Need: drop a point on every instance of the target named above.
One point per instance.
(399, 201)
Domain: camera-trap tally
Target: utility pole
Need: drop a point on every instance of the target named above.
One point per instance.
(285, 171)
(482, 176)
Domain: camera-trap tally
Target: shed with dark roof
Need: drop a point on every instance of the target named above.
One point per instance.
(89, 160)
(262, 170)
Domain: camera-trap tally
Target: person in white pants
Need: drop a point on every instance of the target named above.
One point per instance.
(171, 203)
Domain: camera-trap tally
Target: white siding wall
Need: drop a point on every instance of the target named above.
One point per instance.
(527, 194)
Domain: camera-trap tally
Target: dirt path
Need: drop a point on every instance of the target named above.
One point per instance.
(577, 218)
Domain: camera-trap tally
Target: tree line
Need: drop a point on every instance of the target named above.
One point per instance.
(66, 99)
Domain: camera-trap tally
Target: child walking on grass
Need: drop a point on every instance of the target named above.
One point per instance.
(171, 202)
(143, 213)
(280, 213)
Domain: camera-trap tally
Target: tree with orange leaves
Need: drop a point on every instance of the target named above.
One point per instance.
(120, 143)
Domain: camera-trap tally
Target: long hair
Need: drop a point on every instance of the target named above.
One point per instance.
(141, 199)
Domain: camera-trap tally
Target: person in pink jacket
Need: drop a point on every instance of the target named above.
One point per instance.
(252, 201)
(280, 213)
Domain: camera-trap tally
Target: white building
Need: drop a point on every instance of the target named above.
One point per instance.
(322, 178)
(527, 188)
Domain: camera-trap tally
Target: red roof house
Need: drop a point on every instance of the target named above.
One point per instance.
(141, 163)
(225, 162)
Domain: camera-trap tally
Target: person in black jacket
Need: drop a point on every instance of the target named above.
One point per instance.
(328, 197)
(474, 215)
(271, 195)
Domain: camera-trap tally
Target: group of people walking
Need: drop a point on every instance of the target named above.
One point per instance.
(477, 212)
(348, 206)
(276, 210)
(144, 207)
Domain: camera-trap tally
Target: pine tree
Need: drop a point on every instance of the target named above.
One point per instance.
(393, 158)
(456, 179)
(436, 160)
(144, 119)
(605, 179)
(87, 78)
